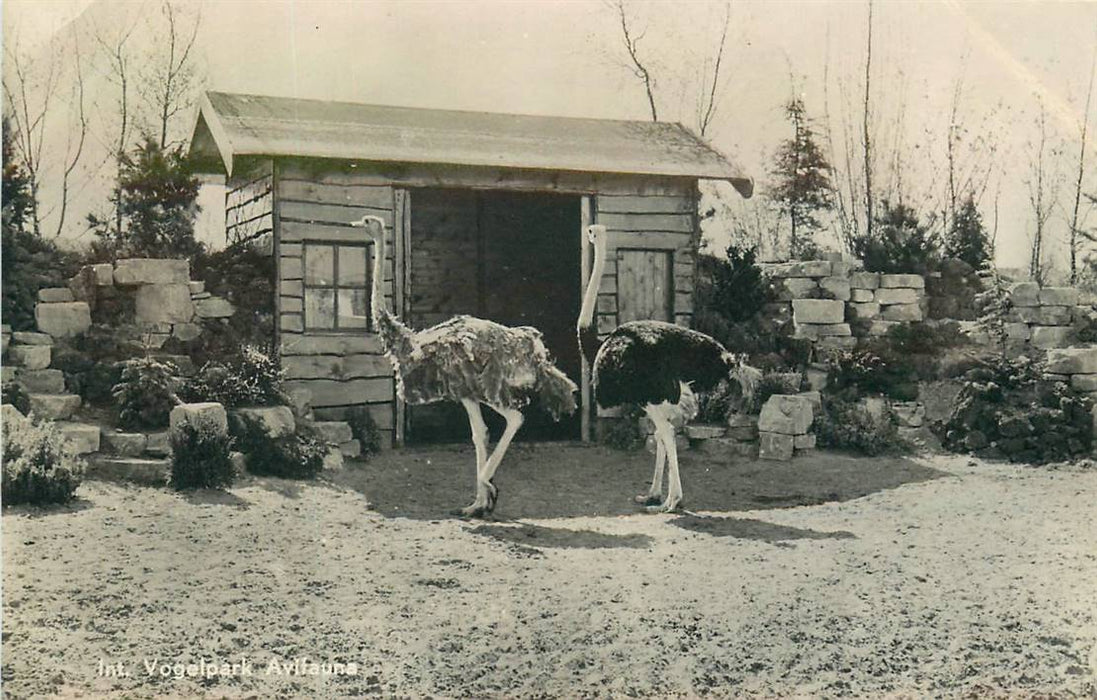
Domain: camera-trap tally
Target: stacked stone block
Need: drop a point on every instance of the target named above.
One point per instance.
(784, 426)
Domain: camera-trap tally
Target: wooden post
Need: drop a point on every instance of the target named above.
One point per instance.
(585, 219)
(401, 238)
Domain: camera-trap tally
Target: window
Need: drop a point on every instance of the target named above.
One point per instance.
(336, 286)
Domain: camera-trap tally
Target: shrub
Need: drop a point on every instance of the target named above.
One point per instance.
(16, 395)
(623, 433)
(146, 394)
(289, 456)
(30, 263)
(773, 383)
(365, 430)
(848, 425)
(200, 459)
(252, 377)
(900, 243)
(38, 466)
(1005, 410)
(245, 276)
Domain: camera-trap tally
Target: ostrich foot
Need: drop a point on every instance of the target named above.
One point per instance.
(482, 506)
(648, 499)
(667, 506)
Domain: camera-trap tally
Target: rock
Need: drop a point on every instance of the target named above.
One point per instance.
(1043, 315)
(86, 283)
(798, 288)
(881, 327)
(333, 460)
(786, 414)
(28, 338)
(276, 421)
(836, 342)
(10, 415)
(939, 398)
(875, 406)
(1048, 377)
(158, 444)
(124, 444)
(818, 311)
(300, 402)
(214, 307)
(1084, 382)
(803, 442)
(63, 320)
(867, 310)
(776, 446)
(240, 462)
(1017, 331)
(902, 281)
(806, 268)
(200, 295)
(1072, 360)
(140, 271)
(51, 295)
(163, 303)
(7, 375)
(816, 378)
(196, 287)
(147, 472)
(350, 449)
(816, 399)
(1025, 294)
(333, 432)
(186, 331)
(700, 431)
(864, 280)
(840, 268)
(902, 312)
(54, 406)
(728, 449)
(975, 440)
(209, 416)
(742, 428)
(42, 381)
(29, 356)
(83, 438)
(835, 288)
(1047, 337)
(862, 296)
(897, 296)
(1058, 296)
(909, 414)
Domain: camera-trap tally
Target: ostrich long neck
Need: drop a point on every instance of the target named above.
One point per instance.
(588, 333)
(395, 336)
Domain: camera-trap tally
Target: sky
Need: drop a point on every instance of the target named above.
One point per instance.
(566, 58)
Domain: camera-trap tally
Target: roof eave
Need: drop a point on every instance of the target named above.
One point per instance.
(210, 143)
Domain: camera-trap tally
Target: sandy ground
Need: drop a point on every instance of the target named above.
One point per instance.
(949, 579)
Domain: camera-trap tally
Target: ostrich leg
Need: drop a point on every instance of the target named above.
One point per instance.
(654, 496)
(480, 440)
(664, 432)
(514, 420)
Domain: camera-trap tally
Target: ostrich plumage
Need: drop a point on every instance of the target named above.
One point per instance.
(655, 365)
(474, 362)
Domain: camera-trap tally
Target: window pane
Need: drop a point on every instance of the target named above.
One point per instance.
(319, 265)
(353, 310)
(319, 308)
(352, 266)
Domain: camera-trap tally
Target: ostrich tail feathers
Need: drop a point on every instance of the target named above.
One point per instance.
(555, 391)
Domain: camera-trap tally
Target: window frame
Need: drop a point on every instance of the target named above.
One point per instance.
(335, 287)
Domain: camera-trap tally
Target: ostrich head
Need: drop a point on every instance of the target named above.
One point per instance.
(374, 225)
(596, 233)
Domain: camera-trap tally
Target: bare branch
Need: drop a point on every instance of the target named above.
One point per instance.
(710, 108)
(631, 45)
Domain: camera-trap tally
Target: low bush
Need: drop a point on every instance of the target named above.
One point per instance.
(30, 263)
(364, 429)
(38, 465)
(900, 242)
(289, 456)
(252, 377)
(1007, 411)
(774, 383)
(623, 433)
(848, 425)
(200, 459)
(16, 395)
(146, 394)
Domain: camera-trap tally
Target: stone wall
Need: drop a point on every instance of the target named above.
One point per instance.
(1042, 318)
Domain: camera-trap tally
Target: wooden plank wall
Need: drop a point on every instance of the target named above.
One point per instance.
(665, 220)
(341, 369)
(249, 203)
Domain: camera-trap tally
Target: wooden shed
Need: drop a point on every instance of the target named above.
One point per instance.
(484, 213)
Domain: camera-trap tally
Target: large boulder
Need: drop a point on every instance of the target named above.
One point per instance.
(30, 356)
(786, 414)
(163, 303)
(63, 320)
(818, 311)
(214, 307)
(140, 271)
(275, 421)
(902, 312)
(54, 406)
(1025, 294)
(776, 446)
(42, 381)
(902, 281)
(28, 338)
(1072, 361)
(898, 295)
(210, 416)
(1058, 296)
(82, 438)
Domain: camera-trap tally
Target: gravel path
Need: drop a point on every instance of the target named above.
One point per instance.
(978, 582)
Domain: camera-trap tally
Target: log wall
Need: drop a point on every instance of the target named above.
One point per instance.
(249, 203)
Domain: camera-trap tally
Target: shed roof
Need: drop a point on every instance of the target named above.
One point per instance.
(232, 125)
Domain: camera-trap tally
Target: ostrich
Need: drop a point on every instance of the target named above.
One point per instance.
(474, 362)
(658, 366)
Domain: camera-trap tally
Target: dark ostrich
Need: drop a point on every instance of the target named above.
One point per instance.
(471, 361)
(657, 366)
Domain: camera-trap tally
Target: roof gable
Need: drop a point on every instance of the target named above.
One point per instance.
(232, 125)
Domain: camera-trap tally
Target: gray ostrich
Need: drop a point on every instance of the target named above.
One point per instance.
(472, 361)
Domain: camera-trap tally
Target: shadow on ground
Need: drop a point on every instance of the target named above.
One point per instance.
(537, 536)
(750, 529)
(562, 480)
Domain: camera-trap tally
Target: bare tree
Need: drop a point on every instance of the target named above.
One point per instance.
(632, 41)
(1075, 221)
(867, 118)
(707, 105)
(76, 134)
(1043, 190)
(169, 84)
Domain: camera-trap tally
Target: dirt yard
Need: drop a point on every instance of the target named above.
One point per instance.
(828, 576)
